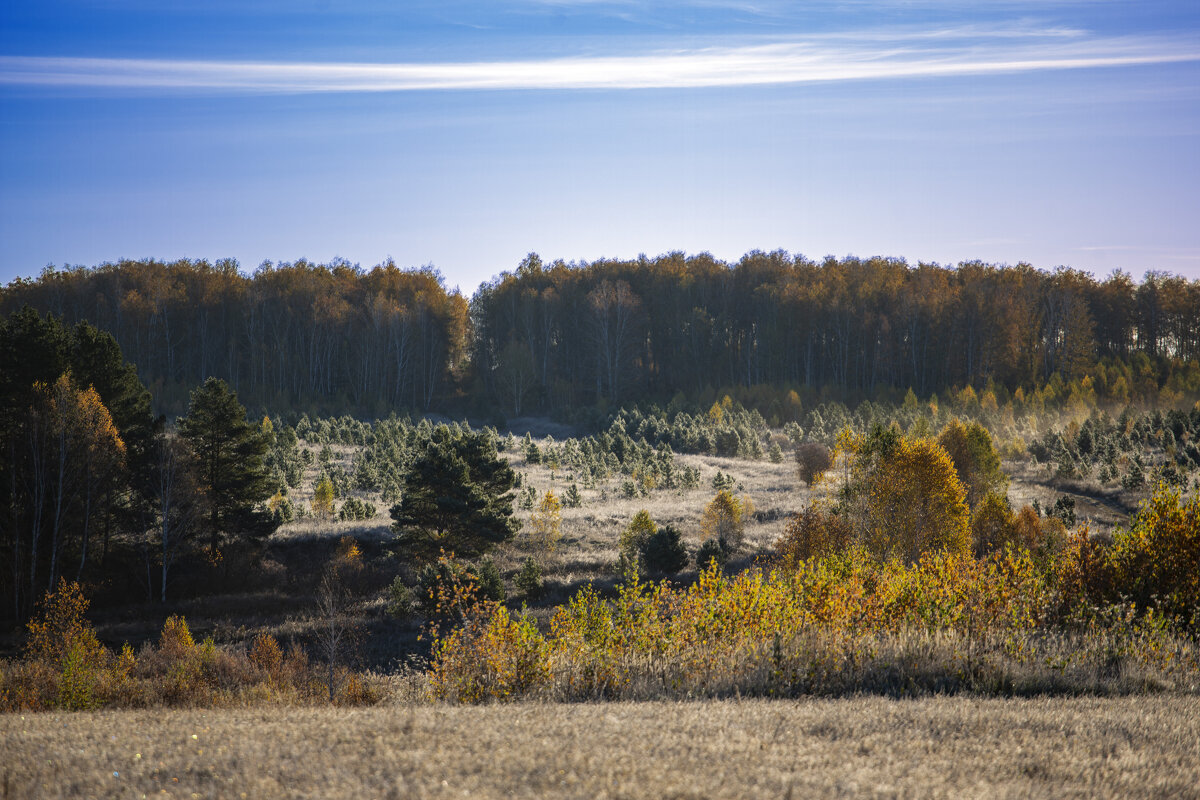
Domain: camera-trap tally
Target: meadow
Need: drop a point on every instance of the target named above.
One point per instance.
(859, 746)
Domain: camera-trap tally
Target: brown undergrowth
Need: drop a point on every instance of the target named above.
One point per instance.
(65, 667)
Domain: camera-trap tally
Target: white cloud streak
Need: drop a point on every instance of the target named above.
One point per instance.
(820, 59)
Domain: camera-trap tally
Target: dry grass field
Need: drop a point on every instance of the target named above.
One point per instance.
(872, 747)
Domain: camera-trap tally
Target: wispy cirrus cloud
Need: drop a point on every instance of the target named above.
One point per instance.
(825, 58)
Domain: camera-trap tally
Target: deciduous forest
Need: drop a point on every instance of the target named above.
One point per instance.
(556, 338)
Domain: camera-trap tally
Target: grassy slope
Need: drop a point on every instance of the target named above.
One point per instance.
(947, 747)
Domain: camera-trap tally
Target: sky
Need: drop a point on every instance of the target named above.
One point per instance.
(464, 135)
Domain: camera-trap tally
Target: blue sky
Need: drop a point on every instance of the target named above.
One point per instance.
(466, 134)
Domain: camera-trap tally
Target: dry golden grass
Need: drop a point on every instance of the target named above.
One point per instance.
(942, 747)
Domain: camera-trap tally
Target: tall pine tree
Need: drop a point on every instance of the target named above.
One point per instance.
(228, 453)
(457, 497)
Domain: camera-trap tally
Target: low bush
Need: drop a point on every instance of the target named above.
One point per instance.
(529, 579)
(400, 600)
(1156, 562)
(712, 553)
(663, 552)
(65, 667)
(491, 656)
(831, 621)
(812, 533)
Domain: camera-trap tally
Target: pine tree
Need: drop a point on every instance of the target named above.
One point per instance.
(664, 553)
(229, 453)
(457, 497)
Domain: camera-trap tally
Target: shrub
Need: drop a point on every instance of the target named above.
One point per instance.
(975, 459)
(400, 600)
(529, 579)
(266, 654)
(813, 459)
(1080, 573)
(441, 582)
(450, 587)
(356, 692)
(491, 585)
(812, 533)
(915, 502)
(346, 566)
(841, 624)
(66, 661)
(725, 520)
(79, 679)
(492, 656)
(281, 506)
(60, 627)
(176, 672)
(176, 640)
(1156, 563)
(712, 552)
(546, 523)
(994, 526)
(633, 542)
(663, 552)
(323, 494)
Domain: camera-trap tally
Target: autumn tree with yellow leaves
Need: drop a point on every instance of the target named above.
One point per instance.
(724, 520)
(905, 497)
(545, 527)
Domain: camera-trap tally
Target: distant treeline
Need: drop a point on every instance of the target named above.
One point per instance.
(550, 337)
(294, 335)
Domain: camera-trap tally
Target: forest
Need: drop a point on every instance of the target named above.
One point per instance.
(649, 479)
(563, 339)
